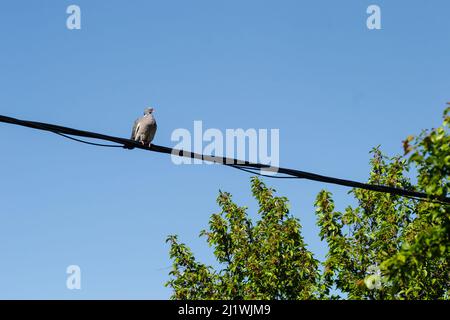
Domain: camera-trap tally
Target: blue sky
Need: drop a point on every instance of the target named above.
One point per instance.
(309, 68)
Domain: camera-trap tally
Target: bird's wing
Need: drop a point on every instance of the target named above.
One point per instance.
(135, 126)
(152, 132)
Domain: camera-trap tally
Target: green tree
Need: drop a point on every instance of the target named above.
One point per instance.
(385, 247)
(265, 260)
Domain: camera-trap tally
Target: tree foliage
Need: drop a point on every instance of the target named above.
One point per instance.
(263, 260)
(385, 247)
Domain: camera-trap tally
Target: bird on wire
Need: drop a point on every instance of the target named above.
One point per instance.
(144, 128)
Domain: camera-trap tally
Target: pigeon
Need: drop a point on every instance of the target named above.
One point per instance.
(144, 128)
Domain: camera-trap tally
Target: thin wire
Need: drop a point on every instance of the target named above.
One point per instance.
(242, 168)
(87, 142)
(260, 174)
(246, 169)
(245, 166)
(253, 171)
(428, 200)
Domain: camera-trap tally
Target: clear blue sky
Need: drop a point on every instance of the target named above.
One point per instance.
(310, 68)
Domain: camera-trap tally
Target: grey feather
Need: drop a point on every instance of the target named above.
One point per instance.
(144, 128)
(133, 132)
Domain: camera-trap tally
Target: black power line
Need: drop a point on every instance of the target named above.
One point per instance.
(234, 163)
